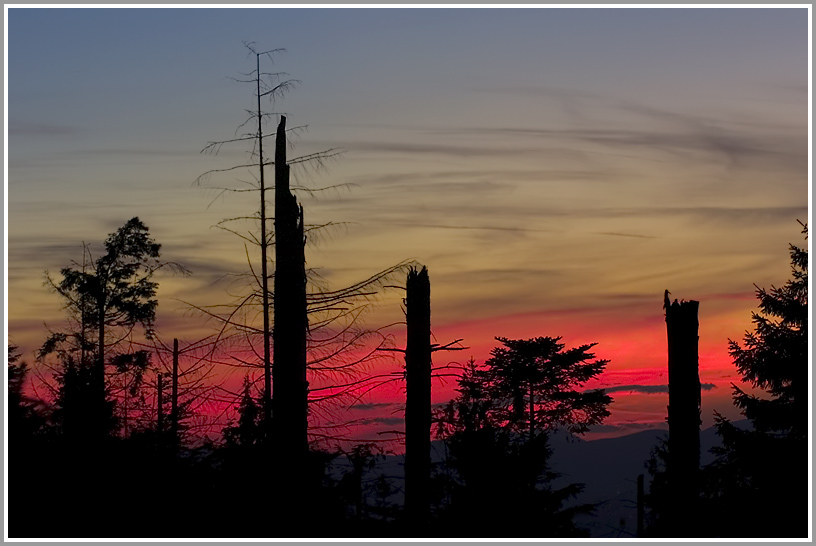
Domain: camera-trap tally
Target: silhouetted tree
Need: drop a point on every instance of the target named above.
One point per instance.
(289, 385)
(496, 440)
(658, 501)
(641, 507)
(106, 299)
(418, 396)
(775, 356)
(247, 432)
(82, 416)
(501, 482)
(532, 385)
(311, 329)
(16, 378)
(683, 457)
(24, 421)
(269, 86)
(190, 385)
(363, 458)
(757, 486)
(337, 346)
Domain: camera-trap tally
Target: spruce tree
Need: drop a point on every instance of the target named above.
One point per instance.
(758, 484)
(497, 430)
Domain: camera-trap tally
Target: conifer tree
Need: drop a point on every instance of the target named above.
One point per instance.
(106, 299)
(24, 421)
(534, 382)
(757, 486)
(496, 433)
(247, 432)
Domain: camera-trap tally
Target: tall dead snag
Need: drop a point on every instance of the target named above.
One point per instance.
(418, 396)
(339, 345)
(264, 243)
(159, 407)
(290, 389)
(683, 461)
(174, 411)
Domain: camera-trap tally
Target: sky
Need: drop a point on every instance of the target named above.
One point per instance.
(555, 169)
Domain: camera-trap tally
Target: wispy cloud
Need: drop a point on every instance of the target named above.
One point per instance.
(734, 147)
(512, 276)
(488, 228)
(488, 179)
(535, 150)
(738, 141)
(633, 427)
(22, 128)
(133, 152)
(651, 389)
(527, 214)
(438, 149)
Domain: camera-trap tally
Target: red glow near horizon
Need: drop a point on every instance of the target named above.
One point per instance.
(634, 344)
(635, 347)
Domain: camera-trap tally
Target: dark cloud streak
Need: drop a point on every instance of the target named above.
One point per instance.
(615, 234)
(390, 421)
(650, 389)
(371, 406)
(488, 228)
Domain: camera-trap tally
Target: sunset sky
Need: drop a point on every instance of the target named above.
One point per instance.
(555, 169)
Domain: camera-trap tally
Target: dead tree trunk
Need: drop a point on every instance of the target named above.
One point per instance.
(174, 411)
(290, 389)
(267, 396)
(683, 461)
(418, 396)
(159, 412)
(97, 426)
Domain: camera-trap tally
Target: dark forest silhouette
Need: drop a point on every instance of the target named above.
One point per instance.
(98, 459)
(756, 486)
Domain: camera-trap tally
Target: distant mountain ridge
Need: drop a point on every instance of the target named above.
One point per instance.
(608, 468)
